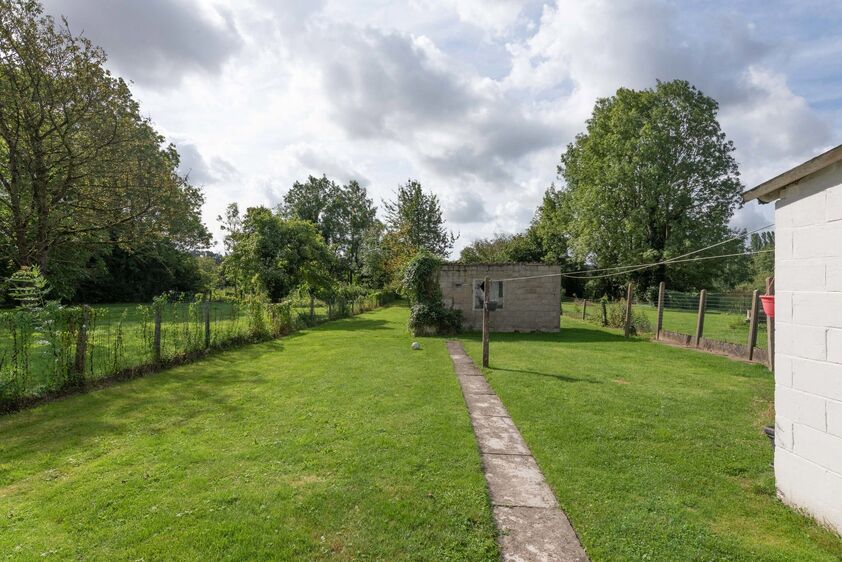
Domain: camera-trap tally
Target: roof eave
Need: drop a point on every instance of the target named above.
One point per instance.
(770, 190)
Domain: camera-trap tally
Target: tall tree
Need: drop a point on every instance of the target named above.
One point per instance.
(652, 177)
(357, 216)
(312, 201)
(79, 167)
(414, 219)
(342, 214)
(273, 255)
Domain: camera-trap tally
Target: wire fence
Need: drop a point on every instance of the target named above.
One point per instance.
(726, 318)
(57, 349)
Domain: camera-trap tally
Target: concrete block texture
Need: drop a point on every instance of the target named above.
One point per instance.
(808, 345)
(801, 407)
(530, 302)
(806, 485)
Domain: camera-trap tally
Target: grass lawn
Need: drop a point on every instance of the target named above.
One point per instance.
(335, 443)
(655, 452)
(723, 326)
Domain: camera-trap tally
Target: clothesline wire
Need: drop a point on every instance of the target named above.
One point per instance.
(623, 269)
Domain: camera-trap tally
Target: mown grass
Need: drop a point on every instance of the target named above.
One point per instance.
(723, 326)
(336, 443)
(655, 452)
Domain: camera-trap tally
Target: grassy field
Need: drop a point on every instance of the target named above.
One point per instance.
(656, 453)
(335, 443)
(723, 326)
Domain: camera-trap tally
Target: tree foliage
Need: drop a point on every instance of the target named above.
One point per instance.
(80, 168)
(414, 219)
(652, 177)
(141, 273)
(343, 215)
(273, 256)
(420, 282)
(523, 248)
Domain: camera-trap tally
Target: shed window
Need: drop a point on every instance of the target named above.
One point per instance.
(496, 295)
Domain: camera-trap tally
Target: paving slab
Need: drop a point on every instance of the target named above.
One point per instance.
(531, 534)
(516, 480)
(485, 405)
(474, 385)
(467, 370)
(498, 435)
(532, 527)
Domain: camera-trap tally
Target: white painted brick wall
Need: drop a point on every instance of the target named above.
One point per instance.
(808, 345)
(834, 346)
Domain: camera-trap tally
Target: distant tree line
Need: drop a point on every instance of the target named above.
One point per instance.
(653, 177)
(325, 237)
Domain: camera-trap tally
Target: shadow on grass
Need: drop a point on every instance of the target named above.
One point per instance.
(353, 324)
(565, 335)
(227, 382)
(557, 376)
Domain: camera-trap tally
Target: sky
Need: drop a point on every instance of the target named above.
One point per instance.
(476, 99)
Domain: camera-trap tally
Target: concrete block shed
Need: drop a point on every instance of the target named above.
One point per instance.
(522, 305)
(808, 334)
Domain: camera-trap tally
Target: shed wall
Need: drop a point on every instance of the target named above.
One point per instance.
(529, 305)
(808, 340)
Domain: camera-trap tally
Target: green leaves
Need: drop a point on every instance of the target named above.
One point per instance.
(415, 218)
(273, 256)
(652, 177)
(81, 170)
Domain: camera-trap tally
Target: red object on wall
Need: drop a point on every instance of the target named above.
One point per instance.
(768, 305)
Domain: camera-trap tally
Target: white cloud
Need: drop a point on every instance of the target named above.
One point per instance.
(155, 42)
(476, 99)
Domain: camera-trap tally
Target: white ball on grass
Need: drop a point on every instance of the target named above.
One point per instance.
(416, 346)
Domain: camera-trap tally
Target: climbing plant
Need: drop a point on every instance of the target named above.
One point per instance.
(428, 315)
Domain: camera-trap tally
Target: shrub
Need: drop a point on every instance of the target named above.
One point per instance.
(617, 318)
(426, 320)
(428, 315)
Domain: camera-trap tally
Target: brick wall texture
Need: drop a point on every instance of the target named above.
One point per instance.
(529, 305)
(808, 345)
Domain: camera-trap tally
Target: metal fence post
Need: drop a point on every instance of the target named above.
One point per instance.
(700, 321)
(661, 290)
(752, 326)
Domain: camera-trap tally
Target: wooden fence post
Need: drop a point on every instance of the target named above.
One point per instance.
(770, 326)
(82, 344)
(156, 337)
(584, 308)
(604, 313)
(206, 311)
(628, 323)
(485, 321)
(752, 326)
(661, 290)
(700, 321)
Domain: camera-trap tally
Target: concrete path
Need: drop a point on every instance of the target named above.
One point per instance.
(532, 526)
